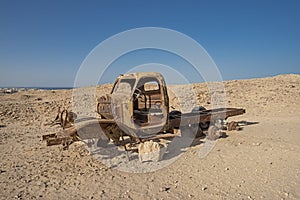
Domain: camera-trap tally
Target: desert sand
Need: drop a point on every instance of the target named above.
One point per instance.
(259, 162)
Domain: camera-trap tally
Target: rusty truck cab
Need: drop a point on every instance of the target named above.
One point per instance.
(139, 103)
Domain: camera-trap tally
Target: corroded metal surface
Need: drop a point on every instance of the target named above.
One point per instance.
(138, 107)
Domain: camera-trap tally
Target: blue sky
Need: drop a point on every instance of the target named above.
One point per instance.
(43, 43)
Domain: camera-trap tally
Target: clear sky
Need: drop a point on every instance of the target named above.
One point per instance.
(43, 43)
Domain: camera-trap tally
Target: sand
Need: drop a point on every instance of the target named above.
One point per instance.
(259, 162)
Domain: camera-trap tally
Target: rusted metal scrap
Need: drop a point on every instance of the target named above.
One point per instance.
(64, 118)
(138, 107)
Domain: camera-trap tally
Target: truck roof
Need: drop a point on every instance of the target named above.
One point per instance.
(139, 75)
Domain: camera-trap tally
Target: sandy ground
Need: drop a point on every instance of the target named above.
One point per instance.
(259, 162)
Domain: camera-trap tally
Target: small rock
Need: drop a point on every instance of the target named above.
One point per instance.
(204, 188)
(226, 169)
(149, 151)
(286, 194)
(164, 189)
(20, 195)
(256, 144)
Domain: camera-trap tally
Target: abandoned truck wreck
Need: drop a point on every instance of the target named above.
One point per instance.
(138, 107)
